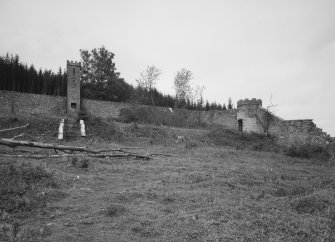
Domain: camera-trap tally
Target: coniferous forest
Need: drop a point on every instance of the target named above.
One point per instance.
(19, 77)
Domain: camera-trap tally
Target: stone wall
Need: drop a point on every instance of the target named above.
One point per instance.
(286, 132)
(104, 109)
(112, 110)
(226, 118)
(299, 132)
(25, 104)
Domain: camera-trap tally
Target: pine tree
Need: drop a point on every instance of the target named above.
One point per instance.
(230, 104)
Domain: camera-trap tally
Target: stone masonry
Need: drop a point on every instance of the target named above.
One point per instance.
(245, 118)
(73, 88)
(250, 118)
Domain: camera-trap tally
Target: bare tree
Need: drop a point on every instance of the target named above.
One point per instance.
(199, 100)
(199, 96)
(182, 86)
(148, 80)
(265, 117)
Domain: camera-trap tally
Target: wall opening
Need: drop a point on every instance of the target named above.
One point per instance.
(74, 71)
(240, 125)
(73, 105)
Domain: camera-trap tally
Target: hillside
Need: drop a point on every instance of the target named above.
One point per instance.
(218, 186)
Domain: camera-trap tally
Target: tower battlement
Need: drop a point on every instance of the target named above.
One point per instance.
(249, 102)
(73, 63)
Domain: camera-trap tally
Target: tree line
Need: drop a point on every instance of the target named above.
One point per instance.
(19, 77)
(101, 81)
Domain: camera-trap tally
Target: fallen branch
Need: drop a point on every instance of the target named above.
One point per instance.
(20, 127)
(72, 155)
(17, 136)
(160, 154)
(120, 152)
(13, 143)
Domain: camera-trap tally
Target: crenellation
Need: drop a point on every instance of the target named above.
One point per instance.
(73, 63)
(249, 102)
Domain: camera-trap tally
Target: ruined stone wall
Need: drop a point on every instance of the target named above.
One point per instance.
(299, 132)
(286, 132)
(25, 104)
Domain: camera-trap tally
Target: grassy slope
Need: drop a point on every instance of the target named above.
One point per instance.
(201, 193)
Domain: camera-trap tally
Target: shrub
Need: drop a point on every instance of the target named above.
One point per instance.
(127, 116)
(115, 210)
(309, 152)
(256, 142)
(103, 129)
(310, 204)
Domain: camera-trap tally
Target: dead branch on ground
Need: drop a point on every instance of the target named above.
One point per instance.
(20, 127)
(17, 136)
(68, 150)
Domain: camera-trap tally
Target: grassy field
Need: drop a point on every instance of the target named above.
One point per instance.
(217, 186)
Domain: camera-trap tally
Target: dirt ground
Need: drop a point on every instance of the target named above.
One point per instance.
(200, 192)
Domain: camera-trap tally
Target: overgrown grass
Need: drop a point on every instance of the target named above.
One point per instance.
(21, 186)
(38, 128)
(102, 128)
(25, 190)
(242, 141)
(309, 152)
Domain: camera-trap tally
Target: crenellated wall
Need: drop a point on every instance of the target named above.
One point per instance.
(249, 111)
(286, 132)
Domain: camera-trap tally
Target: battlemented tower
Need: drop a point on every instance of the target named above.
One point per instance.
(73, 88)
(247, 117)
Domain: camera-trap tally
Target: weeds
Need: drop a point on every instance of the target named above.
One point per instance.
(309, 152)
(80, 163)
(20, 186)
(241, 141)
(24, 189)
(102, 128)
(115, 210)
(310, 204)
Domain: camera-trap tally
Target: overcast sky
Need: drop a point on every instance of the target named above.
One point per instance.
(238, 49)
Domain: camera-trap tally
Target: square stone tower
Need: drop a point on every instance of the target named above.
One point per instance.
(73, 88)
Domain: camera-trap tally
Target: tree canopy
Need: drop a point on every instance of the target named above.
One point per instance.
(100, 80)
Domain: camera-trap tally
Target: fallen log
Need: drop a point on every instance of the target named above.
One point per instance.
(20, 127)
(14, 143)
(120, 152)
(77, 155)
